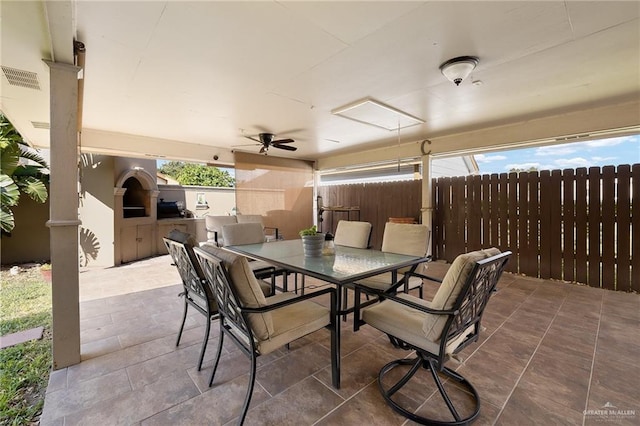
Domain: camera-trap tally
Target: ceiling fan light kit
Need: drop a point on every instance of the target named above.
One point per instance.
(457, 69)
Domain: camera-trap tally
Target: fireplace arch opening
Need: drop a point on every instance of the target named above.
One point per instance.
(137, 188)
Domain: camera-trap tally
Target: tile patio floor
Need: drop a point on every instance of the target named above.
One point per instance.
(550, 351)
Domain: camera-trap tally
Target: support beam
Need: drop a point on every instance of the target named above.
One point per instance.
(63, 222)
(427, 202)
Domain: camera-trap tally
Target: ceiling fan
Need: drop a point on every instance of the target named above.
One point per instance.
(267, 141)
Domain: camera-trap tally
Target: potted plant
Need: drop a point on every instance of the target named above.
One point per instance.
(312, 241)
(45, 270)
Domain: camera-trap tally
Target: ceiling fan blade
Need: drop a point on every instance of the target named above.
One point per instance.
(286, 147)
(248, 144)
(253, 139)
(283, 141)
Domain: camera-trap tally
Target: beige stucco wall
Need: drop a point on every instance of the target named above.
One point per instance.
(29, 240)
(97, 210)
(219, 201)
(123, 164)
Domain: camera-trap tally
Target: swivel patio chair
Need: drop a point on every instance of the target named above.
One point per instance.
(408, 239)
(259, 325)
(436, 330)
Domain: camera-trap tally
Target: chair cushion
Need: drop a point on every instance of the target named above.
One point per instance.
(235, 234)
(249, 218)
(215, 223)
(451, 287)
(351, 233)
(401, 238)
(400, 321)
(406, 323)
(293, 322)
(247, 288)
(405, 238)
(182, 237)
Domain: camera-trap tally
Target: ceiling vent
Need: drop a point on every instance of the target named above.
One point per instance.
(21, 78)
(40, 125)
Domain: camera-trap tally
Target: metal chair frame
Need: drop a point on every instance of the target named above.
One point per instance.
(195, 290)
(234, 321)
(466, 312)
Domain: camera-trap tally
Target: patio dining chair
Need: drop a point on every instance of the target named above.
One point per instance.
(271, 233)
(436, 330)
(196, 294)
(214, 226)
(235, 234)
(259, 325)
(352, 233)
(408, 239)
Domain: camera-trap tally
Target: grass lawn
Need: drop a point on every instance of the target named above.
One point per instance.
(25, 301)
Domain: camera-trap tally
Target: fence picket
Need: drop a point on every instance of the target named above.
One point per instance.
(581, 225)
(547, 199)
(623, 233)
(635, 223)
(608, 233)
(594, 232)
(568, 228)
(513, 224)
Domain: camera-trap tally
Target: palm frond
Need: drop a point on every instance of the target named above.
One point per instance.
(9, 193)
(31, 170)
(29, 154)
(9, 158)
(33, 187)
(6, 220)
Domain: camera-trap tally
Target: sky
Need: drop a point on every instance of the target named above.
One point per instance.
(605, 152)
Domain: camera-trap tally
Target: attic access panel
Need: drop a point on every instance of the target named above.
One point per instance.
(374, 113)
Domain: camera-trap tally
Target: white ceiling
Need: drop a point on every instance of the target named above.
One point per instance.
(208, 72)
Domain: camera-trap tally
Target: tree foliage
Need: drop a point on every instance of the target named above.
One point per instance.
(518, 170)
(22, 170)
(197, 174)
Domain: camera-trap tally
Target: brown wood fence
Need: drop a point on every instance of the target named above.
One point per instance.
(377, 203)
(573, 225)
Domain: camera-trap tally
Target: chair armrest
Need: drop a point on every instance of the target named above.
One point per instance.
(291, 301)
(420, 307)
(274, 229)
(424, 277)
(382, 295)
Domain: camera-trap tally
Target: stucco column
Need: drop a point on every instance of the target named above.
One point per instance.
(63, 213)
(427, 202)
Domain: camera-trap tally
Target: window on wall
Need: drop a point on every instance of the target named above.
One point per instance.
(403, 170)
(201, 199)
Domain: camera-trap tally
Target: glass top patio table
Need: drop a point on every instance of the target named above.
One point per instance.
(346, 266)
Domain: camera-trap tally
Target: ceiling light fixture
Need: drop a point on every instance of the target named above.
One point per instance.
(457, 69)
(374, 113)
